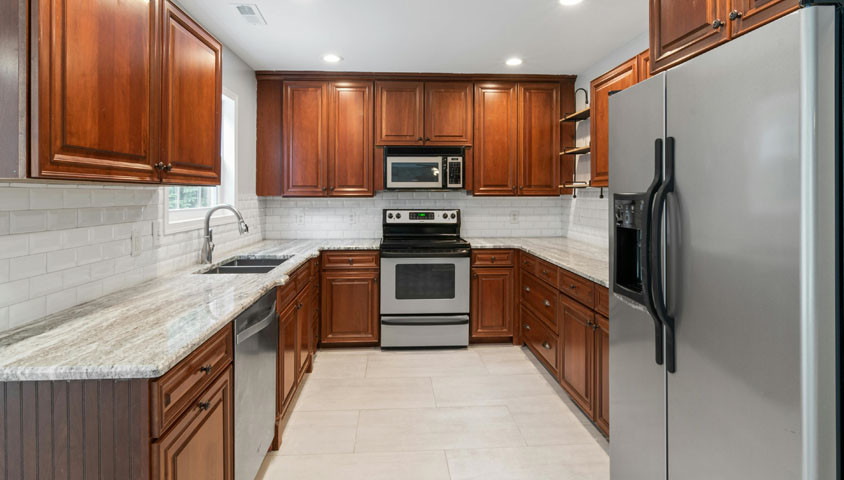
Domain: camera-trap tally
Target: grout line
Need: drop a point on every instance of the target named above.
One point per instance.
(447, 466)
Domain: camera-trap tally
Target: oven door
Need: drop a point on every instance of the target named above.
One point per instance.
(414, 172)
(424, 285)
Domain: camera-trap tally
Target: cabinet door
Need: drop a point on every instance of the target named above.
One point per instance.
(399, 116)
(539, 139)
(749, 14)
(448, 113)
(619, 78)
(200, 444)
(644, 62)
(602, 374)
(578, 348)
(287, 363)
(496, 139)
(681, 29)
(305, 138)
(492, 302)
(349, 307)
(303, 318)
(350, 140)
(98, 78)
(192, 101)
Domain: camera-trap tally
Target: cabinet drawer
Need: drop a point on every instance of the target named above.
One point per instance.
(349, 260)
(528, 262)
(492, 258)
(546, 272)
(540, 298)
(577, 288)
(602, 300)
(176, 390)
(541, 341)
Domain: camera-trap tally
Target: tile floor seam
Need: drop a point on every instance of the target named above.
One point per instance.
(518, 427)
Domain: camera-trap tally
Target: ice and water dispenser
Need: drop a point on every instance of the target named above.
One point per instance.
(630, 211)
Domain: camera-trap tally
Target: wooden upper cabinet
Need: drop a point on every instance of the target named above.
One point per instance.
(97, 90)
(448, 113)
(644, 62)
(191, 108)
(539, 139)
(305, 133)
(399, 113)
(350, 140)
(749, 14)
(619, 78)
(681, 29)
(496, 139)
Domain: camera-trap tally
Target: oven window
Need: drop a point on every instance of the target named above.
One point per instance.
(415, 172)
(425, 281)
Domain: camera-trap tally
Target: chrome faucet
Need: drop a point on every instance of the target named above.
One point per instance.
(208, 246)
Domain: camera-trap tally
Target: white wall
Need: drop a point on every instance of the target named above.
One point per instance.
(65, 244)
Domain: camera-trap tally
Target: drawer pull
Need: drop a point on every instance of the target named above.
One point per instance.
(351, 262)
(527, 327)
(545, 272)
(547, 303)
(206, 369)
(204, 406)
(527, 289)
(546, 346)
(493, 259)
(573, 287)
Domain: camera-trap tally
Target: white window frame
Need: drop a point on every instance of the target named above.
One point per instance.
(194, 218)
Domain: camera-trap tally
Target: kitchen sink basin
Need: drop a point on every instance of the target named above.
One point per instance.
(244, 265)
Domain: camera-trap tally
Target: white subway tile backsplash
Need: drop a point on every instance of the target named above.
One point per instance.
(42, 199)
(4, 270)
(61, 260)
(45, 242)
(61, 219)
(27, 221)
(4, 223)
(88, 217)
(25, 312)
(59, 301)
(13, 292)
(28, 266)
(14, 198)
(14, 246)
(4, 318)
(45, 284)
(77, 198)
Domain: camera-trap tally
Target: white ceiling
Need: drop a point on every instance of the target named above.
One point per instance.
(451, 36)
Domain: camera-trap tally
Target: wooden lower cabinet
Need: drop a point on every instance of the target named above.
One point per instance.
(492, 302)
(602, 374)
(349, 301)
(541, 341)
(200, 444)
(287, 365)
(578, 339)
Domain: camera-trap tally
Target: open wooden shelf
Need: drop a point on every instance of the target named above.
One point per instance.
(577, 116)
(576, 150)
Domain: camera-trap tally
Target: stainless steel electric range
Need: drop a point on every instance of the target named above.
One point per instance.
(424, 279)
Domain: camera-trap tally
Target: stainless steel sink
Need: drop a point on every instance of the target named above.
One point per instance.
(246, 264)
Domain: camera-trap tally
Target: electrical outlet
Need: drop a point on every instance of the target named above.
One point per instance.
(514, 216)
(352, 218)
(300, 219)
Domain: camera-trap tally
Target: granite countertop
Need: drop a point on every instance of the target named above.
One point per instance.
(144, 331)
(584, 259)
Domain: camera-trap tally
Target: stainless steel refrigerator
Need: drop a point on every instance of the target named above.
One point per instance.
(724, 226)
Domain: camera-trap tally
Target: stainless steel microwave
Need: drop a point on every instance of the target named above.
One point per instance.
(423, 168)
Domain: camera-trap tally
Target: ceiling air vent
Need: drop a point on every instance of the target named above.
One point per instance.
(250, 12)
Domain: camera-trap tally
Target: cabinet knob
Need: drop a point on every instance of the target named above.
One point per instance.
(168, 167)
(206, 369)
(573, 287)
(204, 405)
(159, 166)
(492, 259)
(527, 289)
(527, 327)
(546, 346)
(419, 139)
(514, 188)
(717, 24)
(351, 261)
(427, 139)
(521, 187)
(545, 272)
(547, 303)
(324, 189)
(474, 275)
(735, 15)
(332, 189)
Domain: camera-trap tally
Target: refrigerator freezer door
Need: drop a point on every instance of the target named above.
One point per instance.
(734, 258)
(637, 383)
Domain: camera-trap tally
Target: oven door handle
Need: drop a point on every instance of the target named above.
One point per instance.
(426, 320)
(463, 252)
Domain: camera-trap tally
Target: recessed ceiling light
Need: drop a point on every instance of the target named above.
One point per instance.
(569, 3)
(331, 58)
(514, 62)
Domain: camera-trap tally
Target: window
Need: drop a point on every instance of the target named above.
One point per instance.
(186, 206)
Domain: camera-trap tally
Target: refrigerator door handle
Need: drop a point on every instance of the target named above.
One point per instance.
(655, 264)
(647, 274)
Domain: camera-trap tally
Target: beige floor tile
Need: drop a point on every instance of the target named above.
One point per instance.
(567, 462)
(319, 432)
(547, 420)
(365, 393)
(436, 429)
(359, 466)
(339, 366)
(487, 389)
(429, 364)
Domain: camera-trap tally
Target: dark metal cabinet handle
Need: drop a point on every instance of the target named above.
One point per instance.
(419, 139)
(573, 286)
(168, 167)
(206, 369)
(527, 289)
(324, 189)
(159, 166)
(735, 15)
(717, 24)
(514, 188)
(204, 405)
(375, 280)
(547, 303)
(546, 346)
(474, 275)
(427, 139)
(493, 259)
(545, 272)
(351, 261)
(521, 187)
(332, 189)
(527, 327)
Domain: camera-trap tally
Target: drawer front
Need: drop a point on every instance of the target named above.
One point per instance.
(540, 298)
(527, 262)
(546, 272)
(178, 388)
(541, 341)
(602, 300)
(301, 277)
(493, 258)
(345, 260)
(577, 288)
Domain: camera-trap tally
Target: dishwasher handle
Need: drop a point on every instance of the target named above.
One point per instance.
(254, 329)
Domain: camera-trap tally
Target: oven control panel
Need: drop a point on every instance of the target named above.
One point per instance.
(427, 216)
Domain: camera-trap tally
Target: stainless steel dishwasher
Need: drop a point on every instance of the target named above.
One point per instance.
(255, 351)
